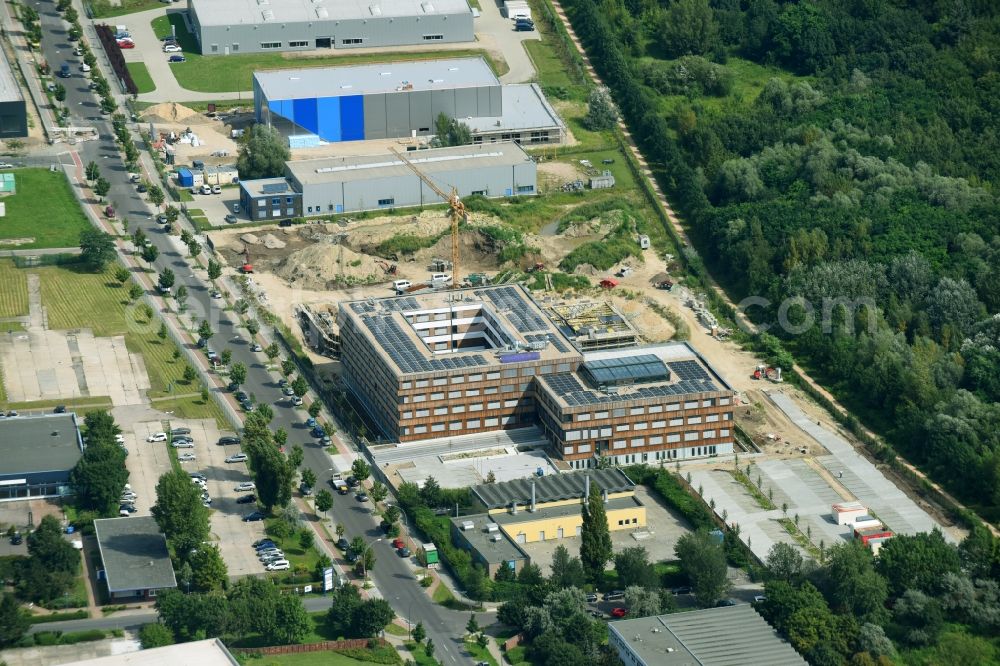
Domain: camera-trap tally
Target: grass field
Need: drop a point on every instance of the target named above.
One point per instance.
(294, 553)
(43, 209)
(14, 294)
(103, 8)
(233, 73)
(143, 81)
(76, 299)
(480, 653)
(419, 656)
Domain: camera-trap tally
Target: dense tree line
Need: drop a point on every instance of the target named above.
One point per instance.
(252, 606)
(866, 173)
(100, 475)
(938, 602)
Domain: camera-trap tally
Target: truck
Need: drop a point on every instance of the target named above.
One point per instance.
(430, 555)
(340, 486)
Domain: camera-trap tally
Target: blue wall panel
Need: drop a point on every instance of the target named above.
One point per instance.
(328, 117)
(352, 118)
(282, 107)
(305, 114)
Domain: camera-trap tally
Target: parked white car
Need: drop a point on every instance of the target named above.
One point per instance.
(236, 458)
(171, 48)
(157, 437)
(183, 444)
(279, 565)
(245, 486)
(185, 457)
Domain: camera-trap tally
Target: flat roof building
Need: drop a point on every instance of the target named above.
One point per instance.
(401, 99)
(727, 636)
(227, 27)
(542, 508)
(209, 652)
(37, 454)
(13, 113)
(450, 363)
(332, 185)
(134, 556)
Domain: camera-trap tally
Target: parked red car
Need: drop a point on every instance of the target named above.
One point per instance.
(398, 543)
(619, 612)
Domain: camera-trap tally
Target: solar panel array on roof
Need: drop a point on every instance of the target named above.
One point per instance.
(509, 301)
(273, 188)
(405, 354)
(386, 305)
(643, 368)
(566, 386)
(555, 340)
(551, 488)
(691, 370)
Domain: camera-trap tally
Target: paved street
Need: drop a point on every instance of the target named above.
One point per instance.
(392, 575)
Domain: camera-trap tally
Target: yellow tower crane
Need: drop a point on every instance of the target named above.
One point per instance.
(458, 212)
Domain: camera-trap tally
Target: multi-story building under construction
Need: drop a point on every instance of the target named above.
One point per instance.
(450, 363)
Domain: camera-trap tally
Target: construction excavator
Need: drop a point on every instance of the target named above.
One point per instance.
(457, 209)
(247, 267)
(390, 269)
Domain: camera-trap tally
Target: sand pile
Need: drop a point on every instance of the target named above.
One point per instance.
(250, 239)
(324, 265)
(169, 112)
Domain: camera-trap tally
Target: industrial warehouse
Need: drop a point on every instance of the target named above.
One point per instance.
(401, 99)
(225, 27)
(358, 183)
(37, 454)
(449, 363)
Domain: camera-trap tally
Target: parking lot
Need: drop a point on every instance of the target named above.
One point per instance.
(146, 462)
(234, 535)
(663, 528)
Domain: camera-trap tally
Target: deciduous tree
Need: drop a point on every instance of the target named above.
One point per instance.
(262, 153)
(704, 563)
(97, 249)
(180, 514)
(595, 537)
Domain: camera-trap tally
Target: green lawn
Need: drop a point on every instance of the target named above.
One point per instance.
(143, 81)
(44, 209)
(82, 404)
(420, 656)
(298, 557)
(14, 294)
(480, 653)
(104, 9)
(233, 73)
(77, 299)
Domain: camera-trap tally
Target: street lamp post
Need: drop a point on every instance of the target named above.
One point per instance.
(364, 560)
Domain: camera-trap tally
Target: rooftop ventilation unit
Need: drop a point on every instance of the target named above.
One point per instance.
(427, 7)
(468, 525)
(492, 527)
(268, 15)
(375, 10)
(496, 537)
(322, 13)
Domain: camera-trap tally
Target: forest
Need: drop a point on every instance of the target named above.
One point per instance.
(840, 159)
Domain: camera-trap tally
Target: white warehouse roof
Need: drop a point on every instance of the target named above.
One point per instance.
(373, 79)
(236, 12)
(430, 162)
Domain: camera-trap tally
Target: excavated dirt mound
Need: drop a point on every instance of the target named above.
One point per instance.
(324, 266)
(169, 112)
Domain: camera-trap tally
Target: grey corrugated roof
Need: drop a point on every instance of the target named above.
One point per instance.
(432, 162)
(10, 91)
(235, 12)
(551, 488)
(48, 443)
(728, 636)
(310, 82)
(494, 552)
(134, 553)
(524, 108)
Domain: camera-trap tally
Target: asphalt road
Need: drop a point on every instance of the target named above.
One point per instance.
(392, 576)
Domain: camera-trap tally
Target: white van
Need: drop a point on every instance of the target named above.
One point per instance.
(401, 285)
(440, 277)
